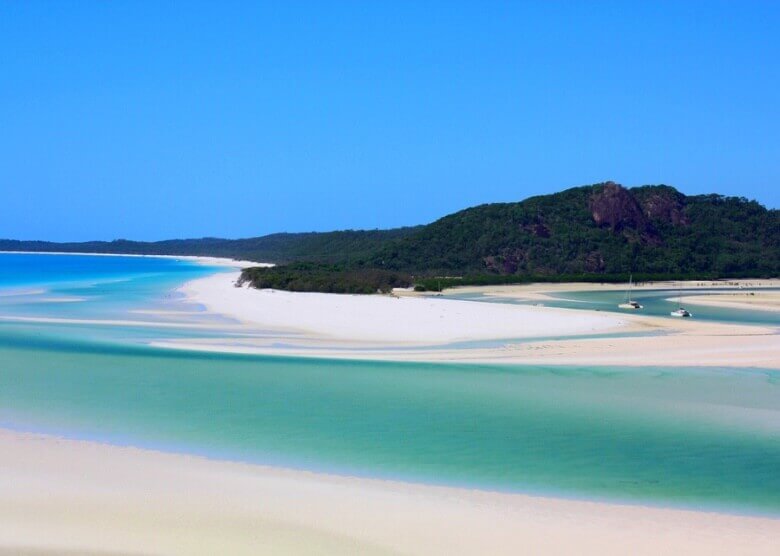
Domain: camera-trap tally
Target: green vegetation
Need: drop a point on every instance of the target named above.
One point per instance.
(435, 284)
(602, 229)
(313, 277)
(600, 233)
(340, 246)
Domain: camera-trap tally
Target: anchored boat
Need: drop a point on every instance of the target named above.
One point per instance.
(680, 312)
(630, 303)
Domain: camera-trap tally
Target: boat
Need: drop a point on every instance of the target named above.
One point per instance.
(630, 303)
(680, 312)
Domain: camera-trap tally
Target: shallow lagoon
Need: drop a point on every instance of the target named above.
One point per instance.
(657, 302)
(703, 438)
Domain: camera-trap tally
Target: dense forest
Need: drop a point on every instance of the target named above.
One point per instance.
(597, 232)
(601, 229)
(601, 232)
(315, 277)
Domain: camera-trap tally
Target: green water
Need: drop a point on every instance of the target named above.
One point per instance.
(657, 303)
(689, 437)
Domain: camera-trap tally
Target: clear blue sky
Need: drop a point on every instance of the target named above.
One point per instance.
(152, 120)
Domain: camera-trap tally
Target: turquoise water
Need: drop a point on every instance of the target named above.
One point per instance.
(78, 286)
(658, 302)
(662, 302)
(693, 437)
(31, 270)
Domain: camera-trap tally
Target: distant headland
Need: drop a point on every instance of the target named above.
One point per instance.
(600, 232)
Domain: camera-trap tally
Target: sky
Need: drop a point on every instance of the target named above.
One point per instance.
(154, 120)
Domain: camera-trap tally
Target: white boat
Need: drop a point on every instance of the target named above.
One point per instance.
(630, 303)
(680, 312)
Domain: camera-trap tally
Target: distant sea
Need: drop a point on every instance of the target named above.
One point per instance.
(71, 366)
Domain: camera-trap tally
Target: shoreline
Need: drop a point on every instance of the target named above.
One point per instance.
(763, 301)
(217, 261)
(752, 283)
(84, 496)
(361, 327)
(88, 496)
(386, 321)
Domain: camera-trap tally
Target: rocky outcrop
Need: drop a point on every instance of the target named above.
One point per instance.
(613, 206)
(666, 206)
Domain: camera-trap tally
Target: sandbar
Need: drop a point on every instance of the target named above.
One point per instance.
(70, 496)
(752, 300)
(411, 327)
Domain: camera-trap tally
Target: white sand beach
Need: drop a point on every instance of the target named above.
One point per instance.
(64, 496)
(385, 319)
(754, 300)
(394, 328)
(520, 290)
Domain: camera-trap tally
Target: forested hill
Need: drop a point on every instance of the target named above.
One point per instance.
(340, 246)
(603, 229)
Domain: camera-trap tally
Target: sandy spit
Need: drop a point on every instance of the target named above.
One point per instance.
(397, 327)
